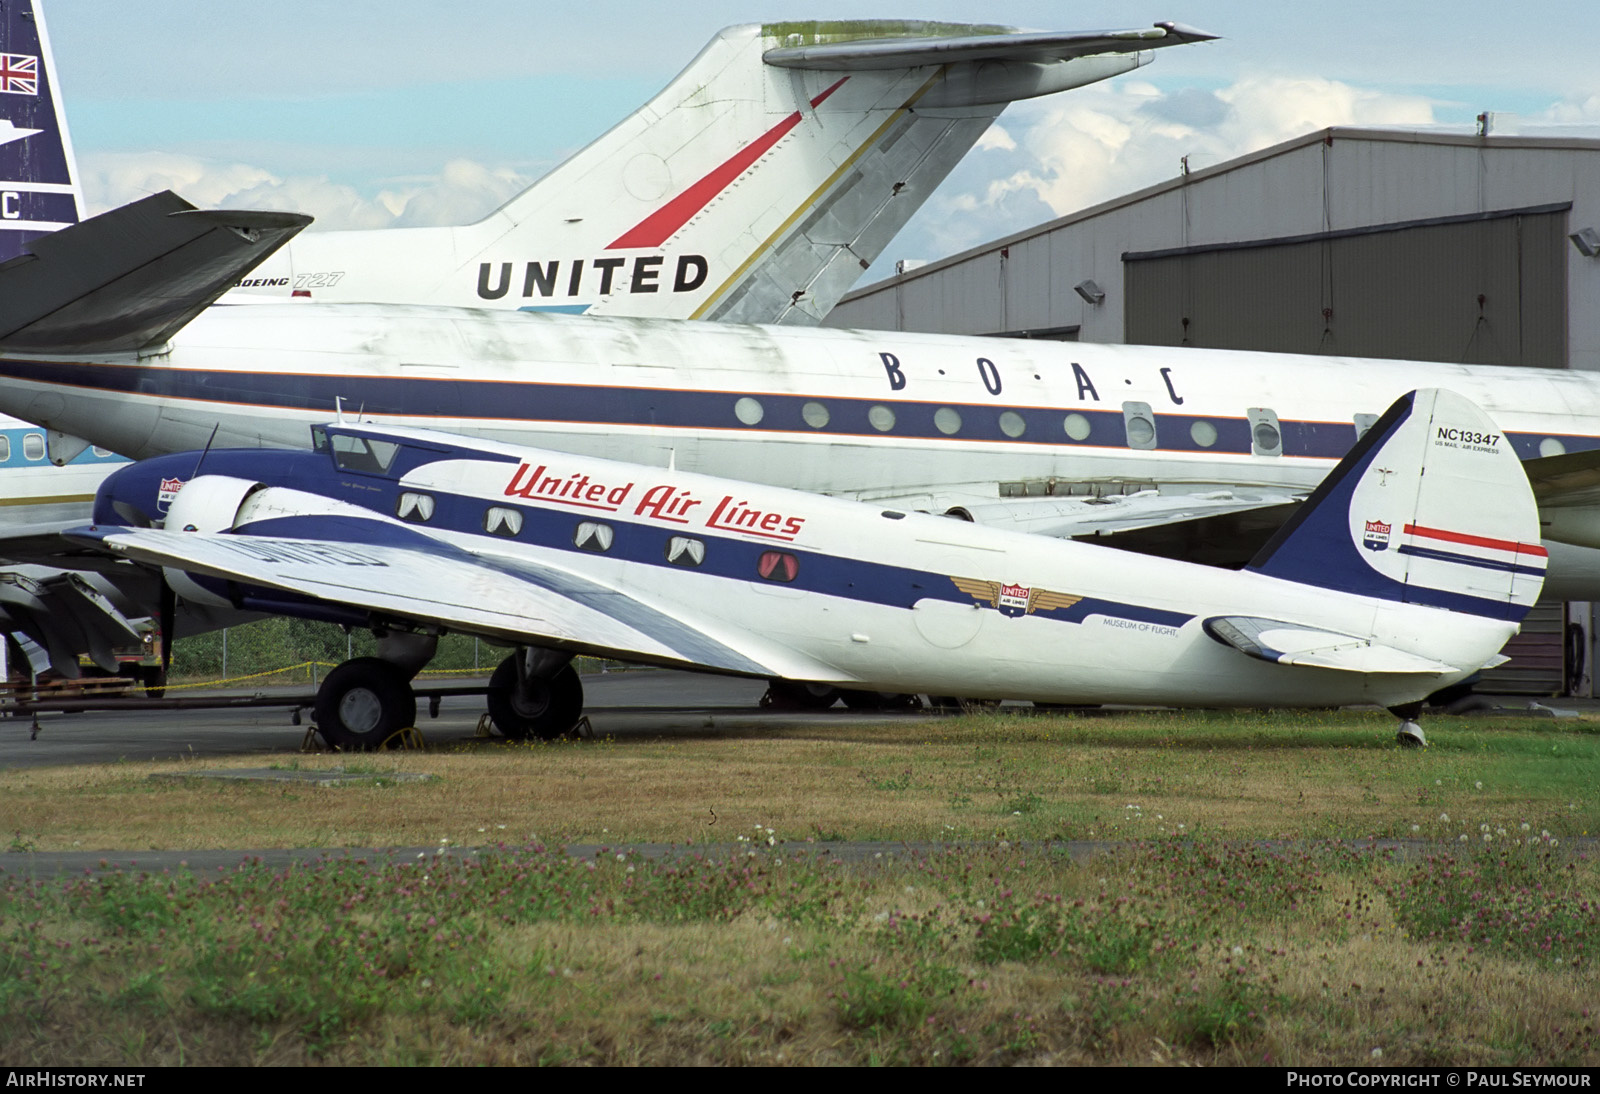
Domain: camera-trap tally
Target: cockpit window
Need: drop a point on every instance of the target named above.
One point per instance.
(353, 453)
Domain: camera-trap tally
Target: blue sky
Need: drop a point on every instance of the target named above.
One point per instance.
(366, 113)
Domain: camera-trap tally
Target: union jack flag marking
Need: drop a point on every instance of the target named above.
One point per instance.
(19, 74)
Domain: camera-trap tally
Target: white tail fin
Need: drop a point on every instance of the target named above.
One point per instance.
(754, 188)
(38, 178)
(1430, 507)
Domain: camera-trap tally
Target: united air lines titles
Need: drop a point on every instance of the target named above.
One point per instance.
(663, 501)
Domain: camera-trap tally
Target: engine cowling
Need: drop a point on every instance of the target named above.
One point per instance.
(209, 503)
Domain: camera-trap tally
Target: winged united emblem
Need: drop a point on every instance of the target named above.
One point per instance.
(1014, 600)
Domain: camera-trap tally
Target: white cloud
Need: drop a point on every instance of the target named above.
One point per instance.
(1074, 150)
(460, 193)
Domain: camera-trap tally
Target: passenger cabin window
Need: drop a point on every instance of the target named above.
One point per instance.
(686, 551)
(5, 448)
(592, 535)
(501, 520)
(33, 446)
(778, 566)
(417, 508)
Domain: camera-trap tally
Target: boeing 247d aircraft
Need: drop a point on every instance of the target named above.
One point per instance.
(754, 188)
(1407, 570)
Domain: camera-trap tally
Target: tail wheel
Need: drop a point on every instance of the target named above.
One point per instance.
(540, 708)
(363, 703)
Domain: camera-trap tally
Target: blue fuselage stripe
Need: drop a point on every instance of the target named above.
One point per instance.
(595, 405)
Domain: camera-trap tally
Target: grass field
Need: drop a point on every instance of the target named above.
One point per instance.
(1189, 943)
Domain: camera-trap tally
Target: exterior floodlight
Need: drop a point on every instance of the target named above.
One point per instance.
(1587, 240)
(1090, 292)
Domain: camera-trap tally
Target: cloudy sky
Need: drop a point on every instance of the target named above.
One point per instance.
(368, 114)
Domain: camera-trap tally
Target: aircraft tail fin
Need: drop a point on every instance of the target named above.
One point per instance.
(38, 176)
(775, 168)
(130, 278)
(1430, 507)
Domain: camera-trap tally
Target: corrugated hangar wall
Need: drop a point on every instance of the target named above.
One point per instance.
(1483, 289)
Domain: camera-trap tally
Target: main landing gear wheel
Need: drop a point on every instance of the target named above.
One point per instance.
(154, 678)
(363, 703)
(793, 695)
(539, 708)
(879, 700)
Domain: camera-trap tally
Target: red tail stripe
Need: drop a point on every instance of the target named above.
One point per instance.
(654, 229)
(1475, 541)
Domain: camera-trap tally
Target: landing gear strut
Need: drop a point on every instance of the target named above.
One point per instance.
(1410, 733)
(535, 693)
(363, 703)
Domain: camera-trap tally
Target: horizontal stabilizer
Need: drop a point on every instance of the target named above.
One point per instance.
(1033, 46)
(1292, 644)
(130, 278)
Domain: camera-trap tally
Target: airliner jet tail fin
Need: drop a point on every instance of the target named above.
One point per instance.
(1431, 507)
(38, 178)
(130, 278)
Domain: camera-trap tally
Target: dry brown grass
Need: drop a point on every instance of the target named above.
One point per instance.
(1245, 776)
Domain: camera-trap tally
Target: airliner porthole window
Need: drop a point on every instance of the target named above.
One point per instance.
(748, 411)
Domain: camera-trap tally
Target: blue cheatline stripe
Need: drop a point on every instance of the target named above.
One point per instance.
(552, 528)
(1471, 560)
(535, 402)
(557, 309)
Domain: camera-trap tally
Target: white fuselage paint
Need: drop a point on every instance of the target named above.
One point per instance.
(936, 645)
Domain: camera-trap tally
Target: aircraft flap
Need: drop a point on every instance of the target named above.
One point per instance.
(130, 278)
(1035, 46)
(1293, 644)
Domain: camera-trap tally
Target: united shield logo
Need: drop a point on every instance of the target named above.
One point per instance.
(1377, 536)
(168, 492)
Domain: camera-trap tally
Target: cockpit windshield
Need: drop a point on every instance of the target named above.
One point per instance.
(370, 455)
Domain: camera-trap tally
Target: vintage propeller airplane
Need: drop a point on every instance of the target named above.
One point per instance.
(1405, 572)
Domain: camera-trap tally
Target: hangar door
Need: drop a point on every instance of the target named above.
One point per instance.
(1488, 288)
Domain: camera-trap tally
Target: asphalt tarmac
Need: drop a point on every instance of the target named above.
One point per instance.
(618, 704)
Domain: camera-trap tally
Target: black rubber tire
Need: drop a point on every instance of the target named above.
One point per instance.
(555, 708)
(363, 703)
(154, 678)
(792, 695)
(879, 700)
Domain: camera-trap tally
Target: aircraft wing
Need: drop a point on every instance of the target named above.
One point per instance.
(1293, 644)
(522, 601)
(1571, 479)
(1071, 517)
(1026, 46)
(130, 278)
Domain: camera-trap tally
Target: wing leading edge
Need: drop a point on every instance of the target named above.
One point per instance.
(527, 602)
